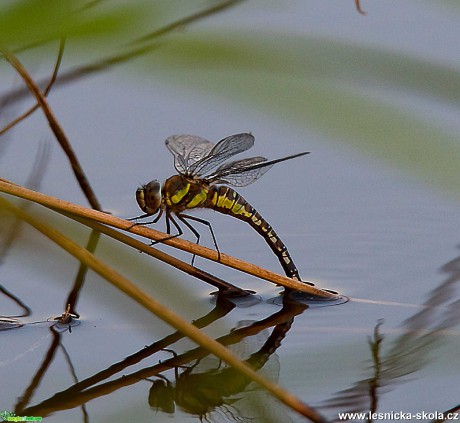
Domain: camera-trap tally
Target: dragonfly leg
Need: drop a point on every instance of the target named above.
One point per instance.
(144, 216)
(204, 222)
(182, 217)
(169, 219)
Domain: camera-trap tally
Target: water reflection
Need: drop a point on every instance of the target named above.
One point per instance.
(409, 352)
(56, 342)
(198, 384)
(209, 389)
(190, 388)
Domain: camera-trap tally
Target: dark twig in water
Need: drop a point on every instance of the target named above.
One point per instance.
(375, 345)
(25, 398)
(51, 82)
(75, 378)
(72, 299)
(18, 301)
(358, 7)
(55, 127)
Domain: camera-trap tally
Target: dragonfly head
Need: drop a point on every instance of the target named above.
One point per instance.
(149, 197)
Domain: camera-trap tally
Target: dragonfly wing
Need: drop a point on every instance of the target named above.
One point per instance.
(241, 172)
(244, 172)
(187, 150)
(224, 149)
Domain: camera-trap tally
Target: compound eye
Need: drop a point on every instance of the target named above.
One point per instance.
(149, 197)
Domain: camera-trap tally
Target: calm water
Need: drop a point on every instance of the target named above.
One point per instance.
(351, 222)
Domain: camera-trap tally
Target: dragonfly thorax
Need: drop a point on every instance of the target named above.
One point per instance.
(181, 193)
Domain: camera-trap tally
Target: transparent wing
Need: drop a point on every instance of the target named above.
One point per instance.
(224, 149)
(187, 150)
(240, 173)
(244, 172)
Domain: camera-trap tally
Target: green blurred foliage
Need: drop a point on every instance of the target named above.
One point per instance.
(32, 22)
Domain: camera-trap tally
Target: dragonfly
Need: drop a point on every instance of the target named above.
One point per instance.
(203, 180)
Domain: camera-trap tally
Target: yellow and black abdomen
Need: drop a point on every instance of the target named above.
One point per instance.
(181, 194)
(227, 201)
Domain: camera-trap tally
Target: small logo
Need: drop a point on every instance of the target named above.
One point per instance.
(9, 416)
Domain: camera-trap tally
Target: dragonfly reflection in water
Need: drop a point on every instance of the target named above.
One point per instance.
(214, 392)
(199, 186)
